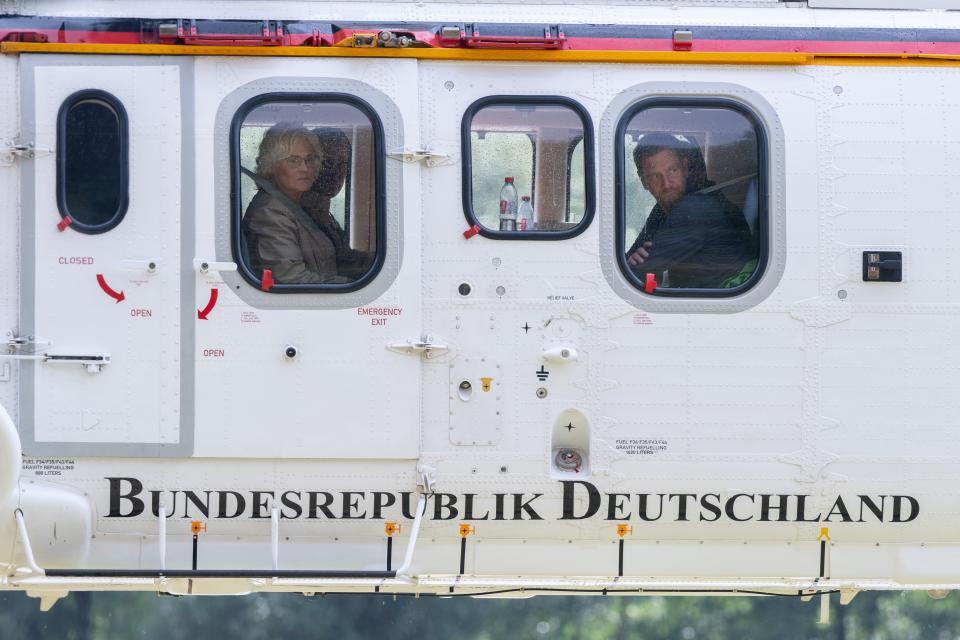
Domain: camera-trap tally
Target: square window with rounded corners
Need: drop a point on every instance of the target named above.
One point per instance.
(92, 161)
(691, 217)
(307, 196)
(528, 167)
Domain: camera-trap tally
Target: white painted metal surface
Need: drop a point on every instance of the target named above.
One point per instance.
(727, 441)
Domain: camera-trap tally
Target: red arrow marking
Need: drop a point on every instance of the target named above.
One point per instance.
(202, 315)
(119, 297)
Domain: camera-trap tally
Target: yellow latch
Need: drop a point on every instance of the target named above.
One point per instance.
(466, 529)
(485, 383)
(197, 527)
(824, 533)
(391, 528)
(624, 529)
(361, 39)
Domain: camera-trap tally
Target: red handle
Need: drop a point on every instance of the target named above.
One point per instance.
(650, 285)
(477, 41)
(233, 40)
(266, 282)
(546, 41)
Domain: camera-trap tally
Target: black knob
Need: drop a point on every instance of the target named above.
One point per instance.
(290, 352)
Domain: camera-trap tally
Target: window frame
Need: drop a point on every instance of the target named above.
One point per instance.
(379, 186)
(570, 149)
(348, 187)
(466, 180)
(763, 182)
(61, 161)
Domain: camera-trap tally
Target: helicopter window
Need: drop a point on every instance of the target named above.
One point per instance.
(308, 214)
(92, 171)
(692, 219)
(527, 167)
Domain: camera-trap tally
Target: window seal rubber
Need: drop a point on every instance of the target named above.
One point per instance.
(763, 179)
(466, 181)
(61, 161)
(236, 216)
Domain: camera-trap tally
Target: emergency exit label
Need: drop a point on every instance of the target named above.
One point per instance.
(380, 315)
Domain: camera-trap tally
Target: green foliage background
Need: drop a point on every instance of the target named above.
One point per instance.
(871, 616)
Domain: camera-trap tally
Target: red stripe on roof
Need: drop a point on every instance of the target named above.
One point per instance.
(822, 47)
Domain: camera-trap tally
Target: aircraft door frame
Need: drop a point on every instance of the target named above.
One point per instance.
(346, 393)
(116, 295)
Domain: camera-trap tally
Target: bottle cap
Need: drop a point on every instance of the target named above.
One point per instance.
(525, 198)
(508, 179)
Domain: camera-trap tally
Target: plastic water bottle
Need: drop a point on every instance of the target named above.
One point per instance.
(525, 214)
(508, 205)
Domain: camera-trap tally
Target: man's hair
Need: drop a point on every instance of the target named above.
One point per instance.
(276, 145)
(332, 137)
(335, 167)
(653, 143)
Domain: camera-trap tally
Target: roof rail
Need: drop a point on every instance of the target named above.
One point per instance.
(922, 5)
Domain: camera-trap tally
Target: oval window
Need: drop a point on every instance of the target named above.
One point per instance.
(92, 172)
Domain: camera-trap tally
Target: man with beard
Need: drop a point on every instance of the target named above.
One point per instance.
(691, 239)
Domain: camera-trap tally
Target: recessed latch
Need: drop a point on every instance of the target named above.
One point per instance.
(205, 266)
(882, 266)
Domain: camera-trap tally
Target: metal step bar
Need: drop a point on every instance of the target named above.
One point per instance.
(401, 573)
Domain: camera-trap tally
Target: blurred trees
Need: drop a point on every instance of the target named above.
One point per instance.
(871, 616)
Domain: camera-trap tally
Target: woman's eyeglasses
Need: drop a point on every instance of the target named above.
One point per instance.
(294, 162)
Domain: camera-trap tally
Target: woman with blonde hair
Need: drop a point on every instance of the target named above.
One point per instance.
(279, 235)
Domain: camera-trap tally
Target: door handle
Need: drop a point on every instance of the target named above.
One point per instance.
(425, 344)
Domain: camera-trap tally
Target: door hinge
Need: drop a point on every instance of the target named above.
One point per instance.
(425, 345)
(426, 156)
(10, 151)
(24, 345)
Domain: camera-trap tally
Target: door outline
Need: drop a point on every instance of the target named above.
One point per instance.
(29, 64)
(398, 115)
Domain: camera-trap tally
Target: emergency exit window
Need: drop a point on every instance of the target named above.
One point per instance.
(92, 157)
(308, 193)
(692, 219)
(527, 167)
